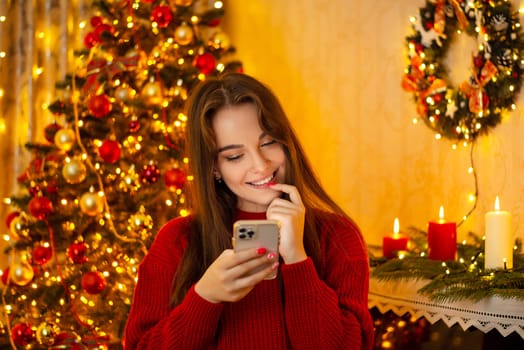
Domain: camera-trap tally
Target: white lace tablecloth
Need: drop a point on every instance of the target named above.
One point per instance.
(504, 315)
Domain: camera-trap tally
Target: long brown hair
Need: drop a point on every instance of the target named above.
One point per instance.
(212, 203)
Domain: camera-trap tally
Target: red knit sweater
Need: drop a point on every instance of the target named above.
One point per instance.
(303, 311)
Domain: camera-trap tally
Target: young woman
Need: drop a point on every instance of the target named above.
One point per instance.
(195, 292)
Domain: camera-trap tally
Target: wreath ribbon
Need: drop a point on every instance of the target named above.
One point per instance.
(99, 66)
(475, 91)
(414, 82)
(440, 15)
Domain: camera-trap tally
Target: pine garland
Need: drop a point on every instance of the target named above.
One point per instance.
(465, 278)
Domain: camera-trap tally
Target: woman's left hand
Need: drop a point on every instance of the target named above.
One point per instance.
(291, 215)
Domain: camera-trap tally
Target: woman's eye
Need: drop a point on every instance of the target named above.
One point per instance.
(233, 157)
(268, 143)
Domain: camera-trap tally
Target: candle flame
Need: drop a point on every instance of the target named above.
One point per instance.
(497, 203)
(441, 213)
(396, 227)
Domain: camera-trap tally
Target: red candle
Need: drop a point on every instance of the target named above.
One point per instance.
(391, 244)
(442, 239)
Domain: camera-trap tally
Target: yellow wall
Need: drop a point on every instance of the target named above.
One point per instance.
(337, 65)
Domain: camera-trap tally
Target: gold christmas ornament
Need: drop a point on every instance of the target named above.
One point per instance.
(46, 333)
(184, 34)
(219, 40)
(91, 204)
(74, 172)
(125, 93)
(65, 139)
(152, 92)
(18, 227)
(20, 271)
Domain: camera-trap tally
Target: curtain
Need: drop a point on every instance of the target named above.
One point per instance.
(37, 43)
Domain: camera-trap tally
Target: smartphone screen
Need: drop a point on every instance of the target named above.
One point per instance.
(257, 234)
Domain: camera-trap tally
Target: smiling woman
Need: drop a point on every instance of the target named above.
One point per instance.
(249, 165)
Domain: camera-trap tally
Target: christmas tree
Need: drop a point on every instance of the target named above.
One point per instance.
(112, 172)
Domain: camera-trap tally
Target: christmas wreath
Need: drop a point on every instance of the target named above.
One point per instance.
(477, 104)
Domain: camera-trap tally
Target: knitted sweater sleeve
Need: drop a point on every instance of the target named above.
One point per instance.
(332, 312)
(152, 323)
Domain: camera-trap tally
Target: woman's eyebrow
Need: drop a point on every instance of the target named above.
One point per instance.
(235, 146)
(228, 147)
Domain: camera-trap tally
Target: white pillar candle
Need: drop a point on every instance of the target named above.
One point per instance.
(498, 251)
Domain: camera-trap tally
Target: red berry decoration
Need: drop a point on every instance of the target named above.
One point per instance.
(162, 16)
(93, 282)
(100, 106)
(41, 254)
(23, 334)
(109, 151)
(175, 178)
(40, 207)
(134, 126)
(205, 63)
(77, 252)
(34, 190)
(150, 174)
(50, 131)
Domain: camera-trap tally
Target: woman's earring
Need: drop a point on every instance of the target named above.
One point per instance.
(218, 178)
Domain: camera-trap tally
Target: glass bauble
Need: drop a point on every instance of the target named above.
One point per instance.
(65, 139)
(21, 272)
(74, 171)
(93, 282)
(184, 34)
(91, 204)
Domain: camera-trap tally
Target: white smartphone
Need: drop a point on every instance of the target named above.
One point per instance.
(257, 234)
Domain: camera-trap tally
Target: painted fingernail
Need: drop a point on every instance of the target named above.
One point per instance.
(261, 251)
(275, 265)
(271, 255)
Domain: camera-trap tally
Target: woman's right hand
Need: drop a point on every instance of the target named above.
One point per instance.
(229, 278)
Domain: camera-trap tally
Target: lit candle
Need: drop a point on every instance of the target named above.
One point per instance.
(498, 250)
(442, 239)
(391, 244)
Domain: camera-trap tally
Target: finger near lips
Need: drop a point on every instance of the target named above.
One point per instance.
(292, 191)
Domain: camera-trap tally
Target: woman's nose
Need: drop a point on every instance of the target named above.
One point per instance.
(260, 161)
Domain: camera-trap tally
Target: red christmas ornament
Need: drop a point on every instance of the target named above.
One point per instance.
(175, 178)
(40, 207)
(96, 21)
(93, 282)
(99, 30)
(206, 63)
(50, 131)
(162, 15)
(100, 106)
(5, 275)
(41, 254)
(109, 151)
(23, 334)
(10, 217)
(77, 252)
(90, 40)
(134, 126)
(149, 174)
